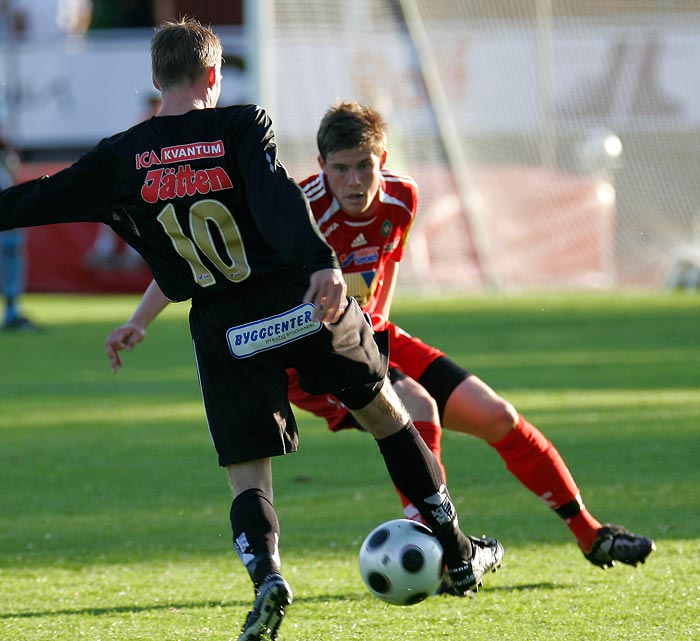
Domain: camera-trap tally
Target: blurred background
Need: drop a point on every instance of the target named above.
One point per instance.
(555, 142)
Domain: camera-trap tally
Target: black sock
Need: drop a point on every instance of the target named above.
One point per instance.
(416, 473)
(255, 533)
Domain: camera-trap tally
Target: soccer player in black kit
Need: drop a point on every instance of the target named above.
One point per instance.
(200, 193)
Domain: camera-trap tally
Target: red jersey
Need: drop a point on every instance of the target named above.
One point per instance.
(364, 245)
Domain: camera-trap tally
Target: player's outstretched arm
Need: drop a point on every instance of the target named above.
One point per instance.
(327, 291)
(127, 336)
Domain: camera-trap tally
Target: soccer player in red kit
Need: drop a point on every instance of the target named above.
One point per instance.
(365, 211)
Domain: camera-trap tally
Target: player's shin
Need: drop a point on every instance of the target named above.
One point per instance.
(538, 465)
(431, 433)
(417, 474)
(255, 534)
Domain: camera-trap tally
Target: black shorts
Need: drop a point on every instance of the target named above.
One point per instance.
(244, 343)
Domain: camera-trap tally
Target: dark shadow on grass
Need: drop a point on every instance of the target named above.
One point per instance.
(525, 587)
(121, 609)
(154, 607)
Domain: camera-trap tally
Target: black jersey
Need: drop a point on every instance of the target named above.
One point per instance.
(201, 196)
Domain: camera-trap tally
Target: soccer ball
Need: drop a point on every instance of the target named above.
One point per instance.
(401, 562)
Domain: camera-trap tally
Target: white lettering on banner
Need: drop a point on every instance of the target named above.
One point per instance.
(268, 333)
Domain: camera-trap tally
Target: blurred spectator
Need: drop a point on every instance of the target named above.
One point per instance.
(12, 21)
(48, 17)
(12, 255)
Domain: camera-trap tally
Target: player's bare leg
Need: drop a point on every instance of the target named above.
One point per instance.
(384, 415)
(476, 409)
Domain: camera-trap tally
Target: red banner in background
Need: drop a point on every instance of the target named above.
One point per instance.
(543, 229)
(79, 258)
(61, 259)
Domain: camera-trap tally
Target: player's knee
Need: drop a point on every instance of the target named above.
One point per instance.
(420, 405)
(502, 419)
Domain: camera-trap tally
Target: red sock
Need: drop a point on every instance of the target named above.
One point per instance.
(431, 433)
(537, 464)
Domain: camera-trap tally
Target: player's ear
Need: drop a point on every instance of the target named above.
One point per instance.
(155, 83)
(382, 159)
(321, 161)
(211, 76)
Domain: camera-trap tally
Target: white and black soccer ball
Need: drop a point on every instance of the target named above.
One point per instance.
(401, 562)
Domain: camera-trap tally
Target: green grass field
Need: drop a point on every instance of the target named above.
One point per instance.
(114, 514)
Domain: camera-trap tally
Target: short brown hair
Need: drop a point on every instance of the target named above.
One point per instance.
(182, 50)
(346, 125)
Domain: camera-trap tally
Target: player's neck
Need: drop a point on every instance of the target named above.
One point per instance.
(179, 101)
(180, 107)
(363, 215)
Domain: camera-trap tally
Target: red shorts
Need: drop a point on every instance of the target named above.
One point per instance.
(409, 354)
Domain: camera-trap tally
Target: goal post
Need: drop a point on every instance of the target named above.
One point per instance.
(260, 47)
(449, 136)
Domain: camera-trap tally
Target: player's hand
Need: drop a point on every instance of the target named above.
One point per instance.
(124, 337)
(327, 291)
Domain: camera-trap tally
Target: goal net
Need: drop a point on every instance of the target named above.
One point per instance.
(555, 142)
